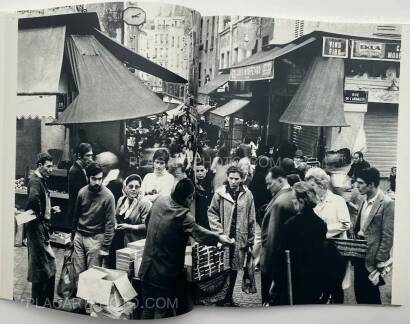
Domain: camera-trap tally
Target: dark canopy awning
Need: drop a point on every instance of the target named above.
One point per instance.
(230, 107)
(40, 57)
(214, 84)
(319, 98)
(135, 60)
(108, 91)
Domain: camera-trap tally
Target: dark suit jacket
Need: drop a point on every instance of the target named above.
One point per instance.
(278, 211)
(41, 263)
(76, 180)
(169, 226)
(378, 230)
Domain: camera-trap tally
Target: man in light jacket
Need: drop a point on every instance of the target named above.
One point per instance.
(374, 224)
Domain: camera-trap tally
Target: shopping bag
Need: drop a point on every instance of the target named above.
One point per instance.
(248, 279)
(66, 287)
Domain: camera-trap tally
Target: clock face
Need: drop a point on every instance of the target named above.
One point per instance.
(134, 16)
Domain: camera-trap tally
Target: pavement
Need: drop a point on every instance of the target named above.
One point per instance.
(22, 288)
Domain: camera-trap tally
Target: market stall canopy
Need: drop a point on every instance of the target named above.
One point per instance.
(214, 84)
(202, 109)
(35, 107)
(230, 107)
(319, 98)
(108, 91)
(260, 66)
(40, 57)
(135, 60)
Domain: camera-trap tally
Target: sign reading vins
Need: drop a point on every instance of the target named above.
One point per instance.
(335, 47)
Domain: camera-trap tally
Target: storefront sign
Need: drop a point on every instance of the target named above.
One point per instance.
(369, 50)
(334, 47)
(261, 71)
(358, 97)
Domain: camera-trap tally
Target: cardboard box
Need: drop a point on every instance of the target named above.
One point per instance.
(124, 312)
(137, 245)
(105, 287)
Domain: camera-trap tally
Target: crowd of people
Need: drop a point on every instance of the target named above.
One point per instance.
(243, 200)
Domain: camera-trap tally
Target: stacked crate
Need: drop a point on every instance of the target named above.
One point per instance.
(206, 261)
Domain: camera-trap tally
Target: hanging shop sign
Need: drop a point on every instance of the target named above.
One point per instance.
(370, 50)
(261, 71)
(355, 96)
(335, 47)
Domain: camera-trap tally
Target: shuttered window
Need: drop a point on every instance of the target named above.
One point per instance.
(305, 138)
(381, 128)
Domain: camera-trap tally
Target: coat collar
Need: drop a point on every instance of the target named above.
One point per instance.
(376, 205)
(224, 193)
(275, 197)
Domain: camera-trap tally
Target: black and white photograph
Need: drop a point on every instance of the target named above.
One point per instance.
(167, 160)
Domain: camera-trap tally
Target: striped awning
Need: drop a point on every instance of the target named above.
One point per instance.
(319, 98)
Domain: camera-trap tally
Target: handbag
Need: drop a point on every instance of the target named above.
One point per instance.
(248, 279)
(67, 287)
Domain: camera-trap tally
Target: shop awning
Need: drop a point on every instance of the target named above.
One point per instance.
(135, 60)
(35, 107)
(40, 57)
(260, 65)
(108, 91)
(214, 84)
(319, 98)
(202, 109)
(231, 107)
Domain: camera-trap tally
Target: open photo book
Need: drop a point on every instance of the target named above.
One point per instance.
(164, 160)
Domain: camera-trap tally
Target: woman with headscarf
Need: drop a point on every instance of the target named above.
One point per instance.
(131, 213)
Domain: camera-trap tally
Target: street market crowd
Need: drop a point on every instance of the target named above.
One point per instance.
(256, 204)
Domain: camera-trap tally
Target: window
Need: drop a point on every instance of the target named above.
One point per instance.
(255, 49)
(222, 60)
(173, 41)
(162, 39)
(207, 27)
(206, 45)
(235, 55)
(227, 59)
(265, 40)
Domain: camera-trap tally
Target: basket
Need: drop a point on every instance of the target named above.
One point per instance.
(352, 248)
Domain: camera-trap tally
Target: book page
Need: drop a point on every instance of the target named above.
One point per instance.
(105, 87)
(308, 105)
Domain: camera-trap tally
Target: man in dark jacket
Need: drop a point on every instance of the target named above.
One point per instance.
(359, 163)
(77, 177)
(170, 225)
(41, 259)
(278, 211)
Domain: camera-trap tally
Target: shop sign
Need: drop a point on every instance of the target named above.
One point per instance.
(370, 50)
(261, 71)
(355, 96)
(335, 47)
